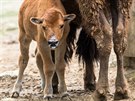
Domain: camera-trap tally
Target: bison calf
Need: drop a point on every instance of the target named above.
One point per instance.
(46, 22)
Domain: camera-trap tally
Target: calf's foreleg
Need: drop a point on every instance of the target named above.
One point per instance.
(48, 68)
(60, 68)
(39, 62)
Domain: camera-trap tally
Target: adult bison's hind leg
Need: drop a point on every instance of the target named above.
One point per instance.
(86, 50)
(55, 77)
(23, 60)
(89, 77)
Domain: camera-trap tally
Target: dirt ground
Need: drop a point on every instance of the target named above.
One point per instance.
(31, 91)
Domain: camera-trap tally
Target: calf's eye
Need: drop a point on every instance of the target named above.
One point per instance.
(44, 28)
(61, 26)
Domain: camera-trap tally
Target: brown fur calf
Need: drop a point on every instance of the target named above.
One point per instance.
(46, 22)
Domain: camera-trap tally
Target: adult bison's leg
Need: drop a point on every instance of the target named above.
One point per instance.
(120, 43)
(104, 42)
(87, 50)
(89, 77)
(23, 60)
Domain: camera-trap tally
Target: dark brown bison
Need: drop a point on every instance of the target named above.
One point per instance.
(104, 24)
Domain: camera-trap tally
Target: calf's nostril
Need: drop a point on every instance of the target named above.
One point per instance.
(49, 42)
(53, 43)
(56, 42)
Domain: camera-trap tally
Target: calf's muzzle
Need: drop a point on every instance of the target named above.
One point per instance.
(53, 42)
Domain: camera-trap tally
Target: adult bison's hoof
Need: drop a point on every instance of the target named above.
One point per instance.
(100, 95)
(15, 95)
(121, 94)
(90, 86)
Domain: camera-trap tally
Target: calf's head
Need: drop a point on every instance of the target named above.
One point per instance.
(52, 25)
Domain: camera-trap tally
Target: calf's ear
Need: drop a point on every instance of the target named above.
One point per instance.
(36, 21)
(69, 17)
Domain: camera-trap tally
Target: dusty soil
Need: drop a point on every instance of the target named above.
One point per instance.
(31, 91)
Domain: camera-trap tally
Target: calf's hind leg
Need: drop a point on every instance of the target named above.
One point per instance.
(23, 60)
(40, 67)
(55, 77)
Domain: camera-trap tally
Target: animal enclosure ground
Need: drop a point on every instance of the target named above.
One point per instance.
(9, 51)
(31, 91)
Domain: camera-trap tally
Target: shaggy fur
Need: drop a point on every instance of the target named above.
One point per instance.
(74, 8)
(103, 22)
(87, 54)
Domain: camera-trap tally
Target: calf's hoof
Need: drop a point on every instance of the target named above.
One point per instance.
(90, 86)
(65, 95)
(100, 95)
(15, 95)
(42, 86)
(55, 89)
(16, 90)
(48, 96)
(120, 94)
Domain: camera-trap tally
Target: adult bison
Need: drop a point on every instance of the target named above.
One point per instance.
(104, 24)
